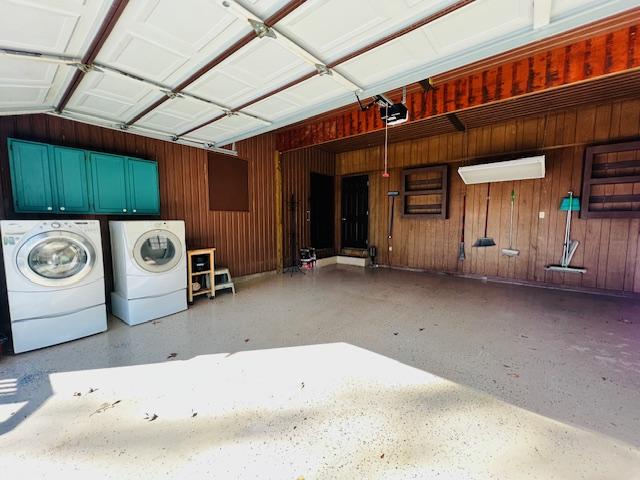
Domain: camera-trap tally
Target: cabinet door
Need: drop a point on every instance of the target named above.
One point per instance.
(73, 192)
(31, 177)
(143, 186)
(109, 181)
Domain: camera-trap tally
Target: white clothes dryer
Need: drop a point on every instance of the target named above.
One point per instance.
(149, 269)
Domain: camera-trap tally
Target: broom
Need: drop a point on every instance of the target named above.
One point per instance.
(485, 241)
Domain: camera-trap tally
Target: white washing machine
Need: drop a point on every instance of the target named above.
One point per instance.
(55, 281)
(149, 269)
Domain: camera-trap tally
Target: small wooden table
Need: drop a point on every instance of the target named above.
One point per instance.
(207, 275)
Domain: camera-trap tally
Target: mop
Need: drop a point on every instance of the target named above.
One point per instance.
(511, 252)
(569, 204)
(486, 241)
(461, 255)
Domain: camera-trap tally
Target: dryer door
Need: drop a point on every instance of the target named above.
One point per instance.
(157, 251)
(56, 258)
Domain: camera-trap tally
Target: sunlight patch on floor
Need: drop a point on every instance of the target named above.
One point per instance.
(321, 411)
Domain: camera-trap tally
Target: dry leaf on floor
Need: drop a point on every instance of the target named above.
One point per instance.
(106, 406)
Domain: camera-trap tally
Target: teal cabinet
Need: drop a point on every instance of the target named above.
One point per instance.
(109, 175)
(31, 178)
(144, 196)
(53, 179)
(73, 194)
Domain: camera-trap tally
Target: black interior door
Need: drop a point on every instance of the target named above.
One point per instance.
(321, 216)
(355, 211)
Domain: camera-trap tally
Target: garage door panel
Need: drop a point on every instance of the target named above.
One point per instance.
(359, 23)
(395, 57)
(179, 114)
(477, 23)
(275, 107)
(14, 70)
(257, 68)
(226, 128)
(111, 96)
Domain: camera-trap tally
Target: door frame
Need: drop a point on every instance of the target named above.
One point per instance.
(338, 211)
(330, 179)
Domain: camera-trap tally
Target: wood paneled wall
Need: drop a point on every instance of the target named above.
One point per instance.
(609, 248)
(296, 169)
(245, 241)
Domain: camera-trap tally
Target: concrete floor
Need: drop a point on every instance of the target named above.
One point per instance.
(342, 373)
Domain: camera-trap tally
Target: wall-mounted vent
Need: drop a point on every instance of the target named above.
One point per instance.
(521, 169)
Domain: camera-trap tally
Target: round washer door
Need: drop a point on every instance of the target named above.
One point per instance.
(56, 258)
(157, 251)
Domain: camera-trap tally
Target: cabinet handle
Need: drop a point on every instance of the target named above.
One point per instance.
(124, 209)
(62, 208)
(134, 210)
(49, 208)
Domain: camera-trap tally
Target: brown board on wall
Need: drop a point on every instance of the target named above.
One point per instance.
(228, 183)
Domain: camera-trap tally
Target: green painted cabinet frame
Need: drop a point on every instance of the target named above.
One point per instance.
(144, 196)
(73, 189)
(32, 181)
(109, 175)
(53, 179)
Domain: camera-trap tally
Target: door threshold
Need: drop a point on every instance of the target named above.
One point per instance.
(355, 252)
(342, 260)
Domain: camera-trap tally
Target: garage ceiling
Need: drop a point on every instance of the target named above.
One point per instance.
(211, 72)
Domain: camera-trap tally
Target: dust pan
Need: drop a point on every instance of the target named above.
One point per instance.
(570, 203)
